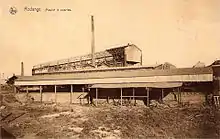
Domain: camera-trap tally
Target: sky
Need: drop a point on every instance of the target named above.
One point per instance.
(181, 32)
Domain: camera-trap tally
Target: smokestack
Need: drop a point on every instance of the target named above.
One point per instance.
(22, 69)
(93, 41)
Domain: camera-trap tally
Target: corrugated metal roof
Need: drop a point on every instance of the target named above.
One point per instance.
(136, 85)
(100, 80)
(125, 73)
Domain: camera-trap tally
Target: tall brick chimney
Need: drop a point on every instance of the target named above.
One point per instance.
(93, 41)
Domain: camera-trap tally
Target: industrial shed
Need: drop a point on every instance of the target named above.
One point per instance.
(118, 82)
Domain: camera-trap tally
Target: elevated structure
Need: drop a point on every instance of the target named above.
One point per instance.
(121, 56)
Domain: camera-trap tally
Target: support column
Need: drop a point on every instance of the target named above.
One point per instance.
(162, 95)
(83, 90)
(27, 89)
(121, 96)
(55, 91)
(179, 96)
(148, 97)
(96, 96)
(133, 91)
(71, 94)
(108, 99)
(41, 97)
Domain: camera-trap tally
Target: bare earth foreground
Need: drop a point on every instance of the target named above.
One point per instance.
(32, 120)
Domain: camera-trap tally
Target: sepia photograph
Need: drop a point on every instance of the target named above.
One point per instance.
(109, 69)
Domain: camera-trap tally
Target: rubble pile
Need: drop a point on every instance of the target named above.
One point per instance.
(8, 113)
(139, 122)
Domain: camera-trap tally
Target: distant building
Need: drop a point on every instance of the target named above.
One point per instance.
(199, 65)
(217, 62)
(166, 65)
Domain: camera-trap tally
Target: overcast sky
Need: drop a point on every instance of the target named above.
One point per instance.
(181, 32)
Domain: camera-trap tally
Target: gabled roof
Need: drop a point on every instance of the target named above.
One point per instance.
(199, 64)
(123, 46)
(216, 62)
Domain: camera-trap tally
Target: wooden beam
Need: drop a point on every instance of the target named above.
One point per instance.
(27, 89)
(179, 95)
(121, 95)
(108, 99)
(82, 100)
(133, 91)
(148, 97)
(55, 90)
(71, 94)
(88, 94)
(96, 96)
(41, 97)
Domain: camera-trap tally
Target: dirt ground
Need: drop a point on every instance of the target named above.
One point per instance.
(34, 120)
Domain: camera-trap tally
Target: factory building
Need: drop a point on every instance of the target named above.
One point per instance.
(115, 73)
(122, 56)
